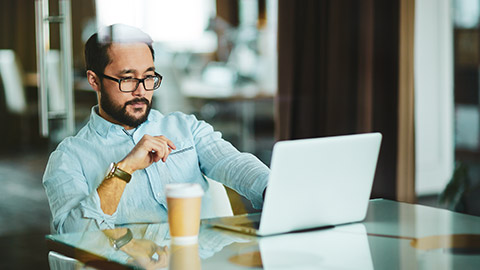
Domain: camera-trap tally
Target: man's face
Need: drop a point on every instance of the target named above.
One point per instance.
(127, 109)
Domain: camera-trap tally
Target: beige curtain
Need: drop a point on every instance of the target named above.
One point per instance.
(406, 131)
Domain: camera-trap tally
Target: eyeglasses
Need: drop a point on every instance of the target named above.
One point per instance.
(130, 84)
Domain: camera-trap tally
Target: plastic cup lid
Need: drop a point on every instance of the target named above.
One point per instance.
(184, 190)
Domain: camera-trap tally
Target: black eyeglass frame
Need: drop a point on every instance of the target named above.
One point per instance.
(119, 81)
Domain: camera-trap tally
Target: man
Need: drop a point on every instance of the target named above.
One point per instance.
(145, 149)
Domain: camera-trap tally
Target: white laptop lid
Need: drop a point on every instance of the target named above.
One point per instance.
(319, 182)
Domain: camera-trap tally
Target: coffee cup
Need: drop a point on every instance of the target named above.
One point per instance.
(184, 202)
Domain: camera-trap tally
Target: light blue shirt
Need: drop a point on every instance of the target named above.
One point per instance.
(78, 165)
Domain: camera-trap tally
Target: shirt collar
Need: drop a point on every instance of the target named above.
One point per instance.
(100, 125)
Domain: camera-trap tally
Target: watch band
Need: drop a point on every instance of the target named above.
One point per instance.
(122, 241)
(117, 172)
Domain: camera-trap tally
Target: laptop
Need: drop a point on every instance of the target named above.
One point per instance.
(313, 183)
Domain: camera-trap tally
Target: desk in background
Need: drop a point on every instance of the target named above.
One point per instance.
(393, 236)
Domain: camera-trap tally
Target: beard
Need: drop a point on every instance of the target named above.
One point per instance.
(119, 112)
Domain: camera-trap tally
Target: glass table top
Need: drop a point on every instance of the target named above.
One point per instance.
(393, 236)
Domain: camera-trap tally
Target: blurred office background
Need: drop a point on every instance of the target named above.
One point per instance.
(259, 71)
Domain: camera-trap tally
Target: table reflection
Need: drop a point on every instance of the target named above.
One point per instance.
(184, 257)
(150, 247)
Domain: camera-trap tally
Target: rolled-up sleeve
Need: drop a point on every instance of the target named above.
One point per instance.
(221, 161)
(75, 205)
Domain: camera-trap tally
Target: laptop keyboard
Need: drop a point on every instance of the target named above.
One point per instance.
(251, 224)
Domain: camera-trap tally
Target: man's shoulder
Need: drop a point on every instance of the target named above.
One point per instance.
(83, 136)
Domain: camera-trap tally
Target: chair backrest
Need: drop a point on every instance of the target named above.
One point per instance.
(10, 73)
(57, 261)
(56, 93)
(221, 202)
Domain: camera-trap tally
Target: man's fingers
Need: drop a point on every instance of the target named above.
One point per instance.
(168, 151)
(162, 143)
(171, 145)
(155, 147)
(154, 157)
(164, 139)
(160, 152)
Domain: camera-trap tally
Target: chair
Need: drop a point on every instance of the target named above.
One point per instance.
(221, 202)
(221, 208)
(12, 82)
(60, 262)
(17, 114)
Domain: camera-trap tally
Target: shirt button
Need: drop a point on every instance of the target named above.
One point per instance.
(159, 194)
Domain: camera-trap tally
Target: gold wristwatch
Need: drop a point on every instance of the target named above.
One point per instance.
(115, 171)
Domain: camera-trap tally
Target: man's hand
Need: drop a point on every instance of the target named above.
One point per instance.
(148, 150)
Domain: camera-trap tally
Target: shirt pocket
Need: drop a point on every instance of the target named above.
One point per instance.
(183, 162)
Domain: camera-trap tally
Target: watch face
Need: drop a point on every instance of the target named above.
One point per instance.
(109, 172)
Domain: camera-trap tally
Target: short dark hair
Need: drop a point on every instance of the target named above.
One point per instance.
(96, 47)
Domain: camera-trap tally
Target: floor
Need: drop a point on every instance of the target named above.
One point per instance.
(24, 211)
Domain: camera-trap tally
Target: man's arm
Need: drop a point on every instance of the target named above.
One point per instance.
(149, 149)
(221, 161)
(74, 206)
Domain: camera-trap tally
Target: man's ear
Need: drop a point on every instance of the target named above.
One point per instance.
(93, 80)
